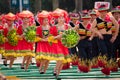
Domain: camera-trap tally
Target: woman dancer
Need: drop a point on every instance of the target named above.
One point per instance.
(59, 50)
(10, 47)
(43, 47)
(25, 47)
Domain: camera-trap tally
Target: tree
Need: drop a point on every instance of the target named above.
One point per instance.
(55, 4)
(78, 5)
(38, 5)
(4, 6)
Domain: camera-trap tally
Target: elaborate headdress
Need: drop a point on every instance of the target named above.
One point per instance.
(85, 15)
(92, 12)
(60, 12)
(74, 16)
(117, 9)
(102, 6)
(1, 17)
(25, 14)
(10, 16)
(42, 15)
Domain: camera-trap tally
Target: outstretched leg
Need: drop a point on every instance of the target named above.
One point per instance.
(28, 62)
(11, 61)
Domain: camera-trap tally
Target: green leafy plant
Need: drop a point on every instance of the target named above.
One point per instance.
(70, 38)
(30, 33)
(12, 37)
(2, 39)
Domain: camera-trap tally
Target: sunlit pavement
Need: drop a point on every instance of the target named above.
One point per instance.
(35, 71)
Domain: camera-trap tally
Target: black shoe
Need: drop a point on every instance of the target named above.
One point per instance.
(3, 57)
(41, 72)
(32, 63)
(54, 73)
(22, 67)
(4, 63)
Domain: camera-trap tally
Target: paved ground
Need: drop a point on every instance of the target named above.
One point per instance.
(19, 60)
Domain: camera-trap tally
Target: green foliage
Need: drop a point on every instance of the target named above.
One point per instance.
(1, 38)
(12, 37)
(30, 33)
(70, 38)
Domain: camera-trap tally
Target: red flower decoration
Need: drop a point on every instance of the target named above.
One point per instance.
(66, 66)
(114, 69)
(83, 68)
(106, 71)
(95, 66)
(38, 64)
(107, 18)
(101, 63)
(89, 26)
(75, 63)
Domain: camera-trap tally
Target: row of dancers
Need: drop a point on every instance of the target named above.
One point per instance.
(97, 45)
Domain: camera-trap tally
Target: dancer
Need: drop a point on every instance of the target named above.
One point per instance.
(95, 49)
(106, 38)
(85, 44)
(10, 32)
(103, 23)
(43, 46)
(59, 50)
(74, 21)
(116, 14)
(2, 36)
(25, 47)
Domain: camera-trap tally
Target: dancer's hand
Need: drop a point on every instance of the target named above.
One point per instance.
(82, 37)
(37, 39)
(90, 39)
(113, 39)
(100, 35)
(44, 39)
(20, 37)
(6, 39)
